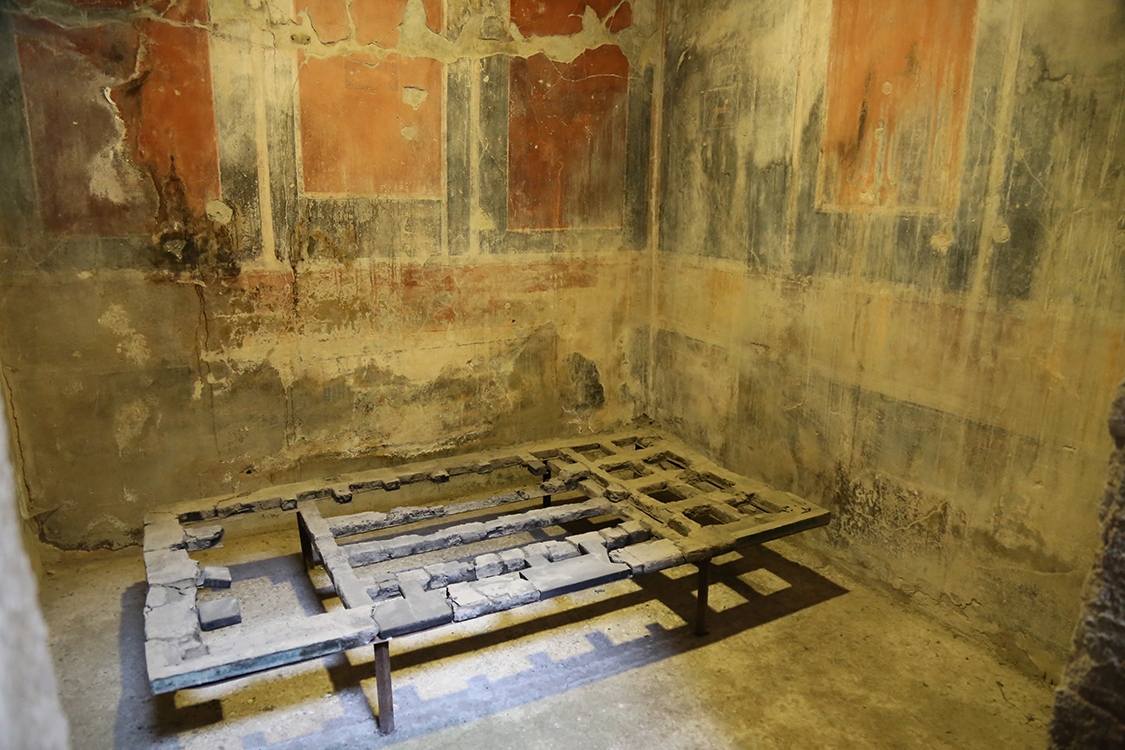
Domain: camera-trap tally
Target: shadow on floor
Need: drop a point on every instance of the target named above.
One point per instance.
(147, 721)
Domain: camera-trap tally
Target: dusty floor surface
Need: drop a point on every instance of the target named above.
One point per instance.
(798, 656)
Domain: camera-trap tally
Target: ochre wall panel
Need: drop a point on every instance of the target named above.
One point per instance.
(898, 89)
(371, 126)
(932, 359)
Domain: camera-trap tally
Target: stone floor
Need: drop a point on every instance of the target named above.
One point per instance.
(798, 656)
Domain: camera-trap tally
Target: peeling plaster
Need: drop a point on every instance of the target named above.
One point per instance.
(639, 42)
(112, 176)
(133, 345)
(414, 96)
(129, 421)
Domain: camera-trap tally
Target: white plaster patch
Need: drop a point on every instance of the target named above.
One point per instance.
(105, 176)
(128, 423)
(112, 177)
(133, 345)
(414, 96)
(410, 133)
(219, 212)
(941, 242)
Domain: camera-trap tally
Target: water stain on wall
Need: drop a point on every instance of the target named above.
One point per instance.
(584, 389)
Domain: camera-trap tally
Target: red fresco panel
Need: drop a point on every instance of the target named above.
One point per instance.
(898, 93)
(170, 112)
(566, 140)
(95, 160)
(378, 20)
(564, 17)
(361, 133)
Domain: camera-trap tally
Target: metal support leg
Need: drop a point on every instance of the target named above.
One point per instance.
(702, 587)
(306, 542)
(383, 687)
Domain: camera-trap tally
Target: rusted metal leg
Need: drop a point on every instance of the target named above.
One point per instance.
(702, 586)
(306, 542)
(383, 687)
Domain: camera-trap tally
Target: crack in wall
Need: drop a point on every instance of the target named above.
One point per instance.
(202, 339)
(24, 498)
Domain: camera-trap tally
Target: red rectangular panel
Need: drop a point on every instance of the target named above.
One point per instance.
(169, 110)
(566, 140)
(99, 162)
(371, 126)
(898, 92)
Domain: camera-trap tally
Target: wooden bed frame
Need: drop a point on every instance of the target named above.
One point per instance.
(661, 505)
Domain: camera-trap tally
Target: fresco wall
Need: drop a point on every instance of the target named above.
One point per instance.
(868, 251)
(891, 278)
(246, 243)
